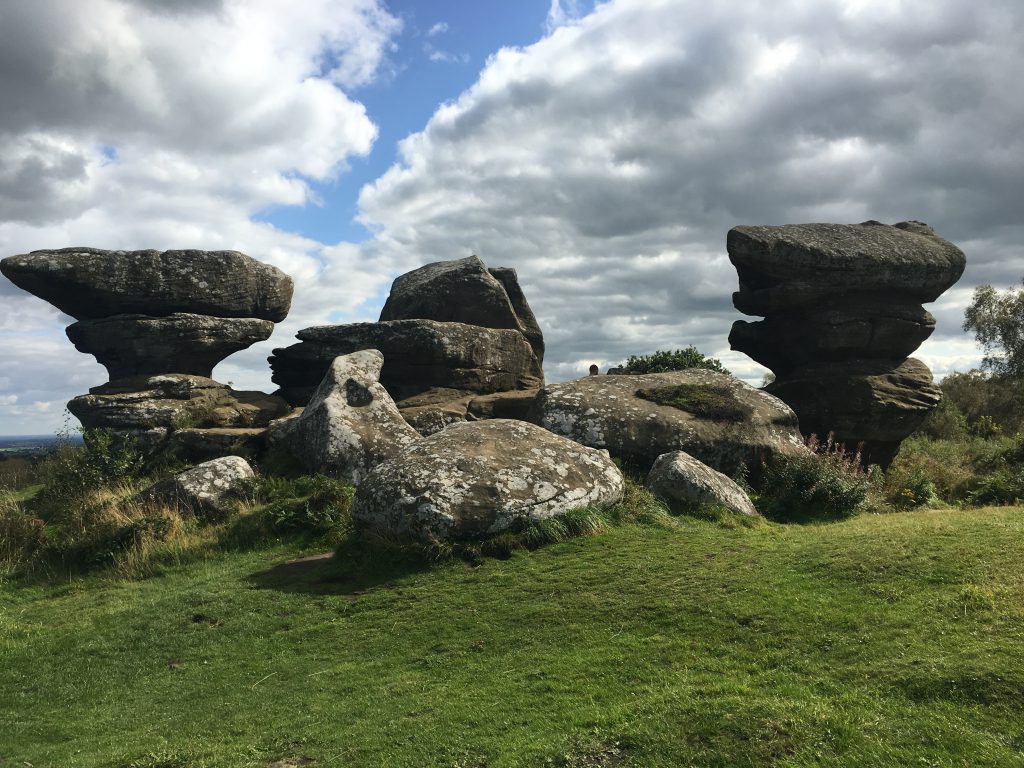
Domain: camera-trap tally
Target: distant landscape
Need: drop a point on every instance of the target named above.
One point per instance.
(33, 445)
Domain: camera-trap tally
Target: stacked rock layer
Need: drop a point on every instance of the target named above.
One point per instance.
(843, 311)
(159, 322)
(459, 340)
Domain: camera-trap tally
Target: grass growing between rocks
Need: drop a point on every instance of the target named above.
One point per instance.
(879, 640)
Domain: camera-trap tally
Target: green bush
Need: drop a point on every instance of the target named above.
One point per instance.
(313, 504)
(946, 422)
(826, 484)
(680, 360)
(73, 471)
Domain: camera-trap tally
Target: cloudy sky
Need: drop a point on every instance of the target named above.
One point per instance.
(603, 150)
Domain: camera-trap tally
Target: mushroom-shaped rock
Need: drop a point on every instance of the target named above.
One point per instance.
(89, 283)
(717, 418)
(475, 479)
(785, 267)
(464, 291)
(133, 345)
(419, 355)
(207, 490)
(682, 481)
(351, 423)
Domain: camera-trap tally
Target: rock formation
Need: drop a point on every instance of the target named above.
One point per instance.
(716, 418)
(160, 322)
(682, 481)
(842, 308)
(459, 341)
(473, 480)
(351, 423)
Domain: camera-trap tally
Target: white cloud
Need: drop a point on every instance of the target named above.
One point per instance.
(607, 161)
(136, 124)
(438, 29)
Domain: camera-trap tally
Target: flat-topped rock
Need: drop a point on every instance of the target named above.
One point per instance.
(783, 267)
(419, 355)
(89, 283)
(714, 417)
(174, 401)
(132, 345)
(478, 479)
(464, 291)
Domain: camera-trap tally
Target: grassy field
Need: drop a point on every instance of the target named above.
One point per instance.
(884, 640)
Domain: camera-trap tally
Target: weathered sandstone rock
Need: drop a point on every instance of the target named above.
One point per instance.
(89, 283)
(464, 291)
(716, 418)
(174, 401)
(351, 423)
(435, 409)
(419, 355)
(842, 307)
(207, 490)
(680, 481)
(867, 404)
(476, 479)
(133, 345)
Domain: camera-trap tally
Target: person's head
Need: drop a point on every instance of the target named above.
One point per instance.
(594, 370)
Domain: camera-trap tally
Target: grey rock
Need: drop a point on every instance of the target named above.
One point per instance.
(872, 405)
(174, 401)
(89, 283)
(464, 291)
(419, 355)
(680, 481)
(607, 412)
(351, 423)
(209, 490)
(131, 345)
(784, 267)
(194, 444)
(434, 410)
(476, 479)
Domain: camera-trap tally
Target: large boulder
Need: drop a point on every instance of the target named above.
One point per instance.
(842, 308)
(419, 355)
(435, 409)
(174, 401)
(209, 490)
(476, 479)
(682, 481)
(784, 267)
(351, 423)
(714, 417)
(464, 291)
(133, 345)
(89, 283)
(868, 405)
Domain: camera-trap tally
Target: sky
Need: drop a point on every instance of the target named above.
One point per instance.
(603, 149)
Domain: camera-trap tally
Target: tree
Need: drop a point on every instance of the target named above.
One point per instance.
(997, 320)
(663, 360)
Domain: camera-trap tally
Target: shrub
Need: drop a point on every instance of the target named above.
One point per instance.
(314, 504)
(946, 422)
(680, 360)
(1004, 486)
(826, 484)
(21, 535)
(72, 471)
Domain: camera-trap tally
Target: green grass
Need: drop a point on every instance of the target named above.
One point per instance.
(709, 402)
(884, 640)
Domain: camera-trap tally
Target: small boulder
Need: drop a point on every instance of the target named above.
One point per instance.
(208, 490)
(680, 480)
(717, 418)
(350, 425)
(476, 479)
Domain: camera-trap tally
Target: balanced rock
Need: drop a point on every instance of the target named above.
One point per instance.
(133, 345)
(716, 418)
(842, 308)
(89, 283)
(419, 355)
(208, 490)
(351, 423)
(174, 401)
(464, 291)
(476, 479)
(682, 481)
